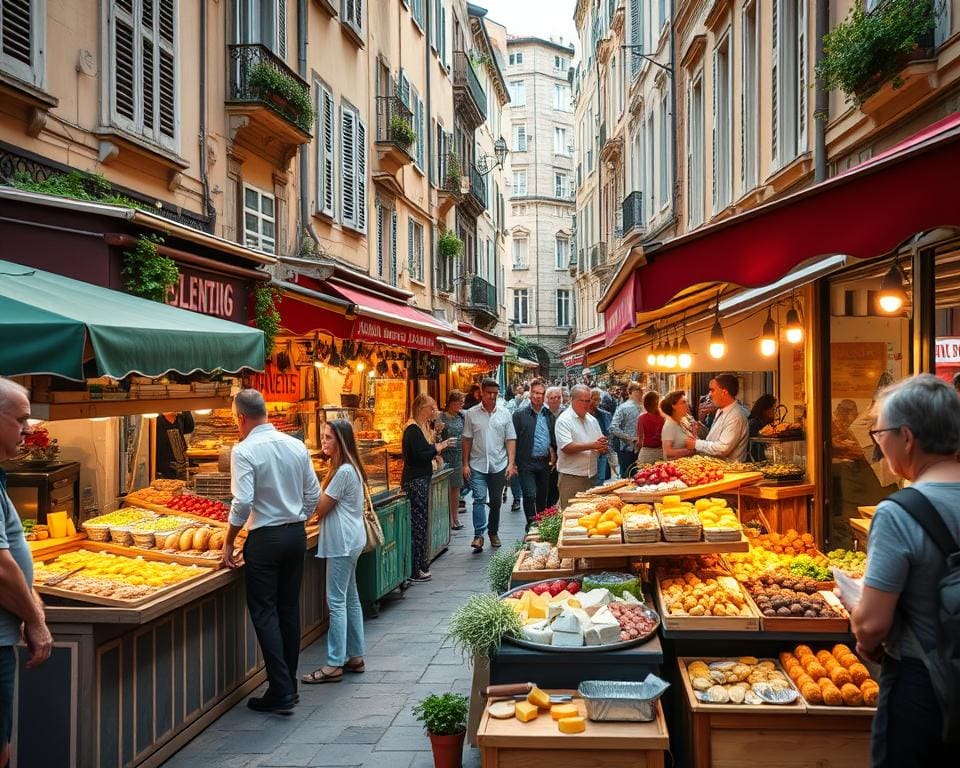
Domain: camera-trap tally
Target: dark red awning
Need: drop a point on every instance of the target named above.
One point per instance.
(864, 213)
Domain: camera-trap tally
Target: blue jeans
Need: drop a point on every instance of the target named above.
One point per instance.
(345, 635)
(482, 484)
(603, 468)
(516, 489)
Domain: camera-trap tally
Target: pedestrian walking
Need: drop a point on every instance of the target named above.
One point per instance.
(21, 610)
(898, 618)
(623, 426)
(489, 450)
(421, 453)
(452, 418)
(536, 450)
(649, 426)
(554, 400)
(603, 417)
(729, 433)
(341, 541)
(473, 397)
(275, 490)
(579, 443)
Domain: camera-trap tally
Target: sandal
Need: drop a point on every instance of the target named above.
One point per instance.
(457, 527)
(477, 544)
(356, 668)
(319, 676)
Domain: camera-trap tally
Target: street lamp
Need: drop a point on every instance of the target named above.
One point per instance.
(487, 163)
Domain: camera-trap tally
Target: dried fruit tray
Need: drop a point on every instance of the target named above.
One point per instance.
(804, 624)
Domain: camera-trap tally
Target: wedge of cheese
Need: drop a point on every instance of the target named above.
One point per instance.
(560, 711)
(594, 599)
(539, 632)
(604, 630)
(526, 711)
(539, 698)
(567, 639)
(571, 725)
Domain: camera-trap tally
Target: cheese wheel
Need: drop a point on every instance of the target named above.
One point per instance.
(502, 710)
(526, 711)
(560, 711)
(572, 725)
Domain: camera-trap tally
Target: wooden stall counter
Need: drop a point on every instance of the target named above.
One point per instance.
(783, 506)
(513, 744)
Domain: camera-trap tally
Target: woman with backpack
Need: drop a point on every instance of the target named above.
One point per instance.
(898, 621)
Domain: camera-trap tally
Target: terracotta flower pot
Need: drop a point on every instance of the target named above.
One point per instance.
(447, 750)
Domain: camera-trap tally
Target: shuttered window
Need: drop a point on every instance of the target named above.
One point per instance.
(21, 39)
(326, 130)
(353, 169)
(351, 14)
(143, 54)
(420, 129)
(519, 138)
(394, 229)
(636, 36)
(259, 220)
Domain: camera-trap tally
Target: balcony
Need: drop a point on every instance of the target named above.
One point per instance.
(598, 255)
(449, 191)
(393, 146)
(474, 199)
(632, 212)
(268, 104)
(470, 100)
(480, 299)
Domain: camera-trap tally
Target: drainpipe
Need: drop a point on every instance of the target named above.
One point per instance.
(821, 97)
(302, 154)
(429, 150)
(208, 210)
(673, 117)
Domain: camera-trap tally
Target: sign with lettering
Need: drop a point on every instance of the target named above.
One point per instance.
(948, 351)
(367, 329)
(210, 293)
(278, 386)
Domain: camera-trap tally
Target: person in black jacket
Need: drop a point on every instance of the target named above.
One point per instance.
(171, 427)
(419, 452)
(536, 450)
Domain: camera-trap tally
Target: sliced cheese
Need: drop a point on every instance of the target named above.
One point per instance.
(567, 639)
(572, 725)
(594, 599)
(560, 711)
(539, 698)
(539, 632)
(566, 622)
(526, 711)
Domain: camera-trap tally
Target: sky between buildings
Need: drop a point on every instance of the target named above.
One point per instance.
(540, 18)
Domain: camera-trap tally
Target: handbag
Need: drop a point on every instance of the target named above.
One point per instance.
(371, 523)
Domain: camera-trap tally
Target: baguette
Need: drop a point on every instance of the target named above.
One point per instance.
(200, 538)
(186, 540)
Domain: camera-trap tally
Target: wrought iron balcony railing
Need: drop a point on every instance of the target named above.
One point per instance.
(632, 212)
(252, 70)
(466, 80)
(478, 187)
(390, 112)
(479, 294)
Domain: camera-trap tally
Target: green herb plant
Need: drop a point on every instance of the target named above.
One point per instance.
(548, 527)
(74, 185)
(869, 48)
(449, 245)
(453, 168)
(402, 132)
(443, 714)
(266, 316)
(147, 273)
(478, 627)
(500, 568)
(268, 79)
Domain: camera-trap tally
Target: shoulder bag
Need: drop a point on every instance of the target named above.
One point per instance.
(371, 523)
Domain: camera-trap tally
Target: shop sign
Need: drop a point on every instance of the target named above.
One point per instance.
(574, 359)
(948, 351)
(278, 386)
(210, 294)
(469, 359)
(366, 329)
(621, 314)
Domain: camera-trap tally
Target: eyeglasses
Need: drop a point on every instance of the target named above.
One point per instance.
(874, 432)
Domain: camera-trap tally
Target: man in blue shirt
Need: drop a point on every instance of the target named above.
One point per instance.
(536, 450)
(21, 612)
(275, 490)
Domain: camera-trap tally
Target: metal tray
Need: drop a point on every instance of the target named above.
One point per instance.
(519, 641)
(622, 701)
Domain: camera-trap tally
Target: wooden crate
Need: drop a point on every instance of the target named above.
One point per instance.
(802, 625)
(157, 554)
(796, 708)
(654, 549)
(553, 573)
(707, 623)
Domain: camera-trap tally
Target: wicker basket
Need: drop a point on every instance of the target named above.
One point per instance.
(97, 532)
(120, 534)
(144, 539)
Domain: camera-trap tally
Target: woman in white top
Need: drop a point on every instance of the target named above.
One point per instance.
(674, 433)
(342, 538)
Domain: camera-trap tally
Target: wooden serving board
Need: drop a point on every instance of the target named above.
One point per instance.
(38, 548)
(134, 502)
(731, 481)
(156, 554)
(707, 623)
(803, 624)
(555, 573)
(654, 549)
(798, 707)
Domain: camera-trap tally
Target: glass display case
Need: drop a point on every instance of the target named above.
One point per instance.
(375, 463)
(780, 456)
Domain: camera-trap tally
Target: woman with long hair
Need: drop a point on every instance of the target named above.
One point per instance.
(452, 419)
(674, 433)
(342, 538)
(649, 426)
(764, 412)
(420, 449)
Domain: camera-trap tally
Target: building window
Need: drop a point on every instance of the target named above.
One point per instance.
(416, 11)
(519, 138)
(560, 142)
(521, 306)
(722, 123)
(636, 36)
(748, 100)
(563, 253)
(394, 236)
(326, 129)
(414, 249)
(519, 183)
(560, 63)
(650, 155)
(520, 253)
(561, 98)
(21, 39)
(664, 159)
(259, 220)
(516, 58)
(518, 93)
(789, 80)
(695, 154)
(416, 106)
(351, 14)
(561, 185)
(258, 21)
(143, 68)
(564, 314)
(353, 169)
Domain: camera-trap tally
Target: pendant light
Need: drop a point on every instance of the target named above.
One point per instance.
(768, 337)
(684, 355)
(718, 345)
(892, 296)
(652, 356)
(670, 358)
(794, 329)
(661, 354)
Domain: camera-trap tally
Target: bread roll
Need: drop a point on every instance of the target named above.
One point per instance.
(858, 673)
(186, 540)
(840, 676)
(815, 670)
(172, 541)
(216, 540)
(200, 538)
(812, 693)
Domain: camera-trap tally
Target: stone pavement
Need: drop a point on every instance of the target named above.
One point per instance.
(365, 720)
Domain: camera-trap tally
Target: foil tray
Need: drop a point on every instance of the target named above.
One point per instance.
(622, 701)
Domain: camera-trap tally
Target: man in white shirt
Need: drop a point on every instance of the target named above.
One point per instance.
(579, 442)
(489, 448)
(275, 488)
(729, 433)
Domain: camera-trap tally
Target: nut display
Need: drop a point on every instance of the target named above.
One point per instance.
(783, 580)
(781, 602)
(835, 678)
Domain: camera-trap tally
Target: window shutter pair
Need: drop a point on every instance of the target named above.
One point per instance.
(636, 30)
(353, 170)
(327, 117)
(410, 272)
(775, 82)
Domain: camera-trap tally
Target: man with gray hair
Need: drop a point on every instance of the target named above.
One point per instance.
(275, 488)
(579, 443)
(21, 610)
(553, 400)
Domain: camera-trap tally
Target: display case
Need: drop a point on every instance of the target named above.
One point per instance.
(780, 450)
(376, 464)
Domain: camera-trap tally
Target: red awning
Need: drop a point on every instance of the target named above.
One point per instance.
(457, 350)
(864, 213)
(382, 321)
(304, 312)
(576, 353)
(481, 338)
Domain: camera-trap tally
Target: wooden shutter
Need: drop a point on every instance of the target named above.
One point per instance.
(380, 243)
(775, 84)
(394, 228)
(20, 50)
(421, 132)
(635, 33)
(281, 28)
(409, 246)
(348, 161)
(125, 67)
(443, 35)
(361, 174)
(802, 94)
(327, 115)
(167, 74)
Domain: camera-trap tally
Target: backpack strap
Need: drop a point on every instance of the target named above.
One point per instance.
(922, 510)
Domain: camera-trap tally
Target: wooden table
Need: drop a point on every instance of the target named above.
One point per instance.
(513, 744)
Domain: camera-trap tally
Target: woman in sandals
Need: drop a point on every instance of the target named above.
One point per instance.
(342, 538)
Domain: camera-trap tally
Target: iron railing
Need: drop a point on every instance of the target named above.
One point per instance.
(388, 109)
(479, 294)
(450, 173)
(478, 187)
(632, 212)
(466, 79)
(246, 62)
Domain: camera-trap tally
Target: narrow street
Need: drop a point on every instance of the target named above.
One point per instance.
(366, 719)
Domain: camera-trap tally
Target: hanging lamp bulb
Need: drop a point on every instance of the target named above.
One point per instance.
(718, 345)
(794, 329)
(661, 355)
(892, 296)
(768, 337)
(684, 355)
(652, 356)
(670, 358)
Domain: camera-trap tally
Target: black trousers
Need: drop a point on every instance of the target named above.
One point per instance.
(535, 482)
(553, 492)
(626, 459)
(273, 570)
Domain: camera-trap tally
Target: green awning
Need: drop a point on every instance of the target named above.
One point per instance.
(50, 324)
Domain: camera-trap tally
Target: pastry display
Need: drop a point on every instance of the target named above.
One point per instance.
(835, 678)
(746, 680)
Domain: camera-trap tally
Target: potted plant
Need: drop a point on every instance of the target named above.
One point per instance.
(449, 246)
(453, 171)
(869, 48)
(402, 132)
(444, 716)
(283, 92)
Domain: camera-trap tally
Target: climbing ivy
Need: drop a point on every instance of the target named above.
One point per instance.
(147, 272)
